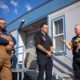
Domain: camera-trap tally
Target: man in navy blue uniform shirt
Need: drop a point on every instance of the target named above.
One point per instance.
(75, 46)
(44, 50)
(7, 42)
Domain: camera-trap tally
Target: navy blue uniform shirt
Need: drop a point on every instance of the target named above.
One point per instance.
(75, 44)
(4, 41)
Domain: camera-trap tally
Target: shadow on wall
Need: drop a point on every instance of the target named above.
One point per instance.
(30, 62)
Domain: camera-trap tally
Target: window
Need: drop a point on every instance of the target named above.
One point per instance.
(58, 34)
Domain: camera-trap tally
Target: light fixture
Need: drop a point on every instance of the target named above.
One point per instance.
(22, 21)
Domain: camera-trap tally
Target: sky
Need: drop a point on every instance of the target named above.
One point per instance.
(12, 9)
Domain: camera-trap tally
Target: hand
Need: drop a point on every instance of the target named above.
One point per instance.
(8, 47)
(64, 41)
(52, 48)
(49, 54)
(11, 43)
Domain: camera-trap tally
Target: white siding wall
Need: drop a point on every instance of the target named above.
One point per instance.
(72, 14)
(14, 34)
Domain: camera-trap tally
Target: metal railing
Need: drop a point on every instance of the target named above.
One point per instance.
(61, 53)
(19, 64)
(21, 68)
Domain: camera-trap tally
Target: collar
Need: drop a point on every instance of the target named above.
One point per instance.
(43, 33)
(4, 30)
(78, 36)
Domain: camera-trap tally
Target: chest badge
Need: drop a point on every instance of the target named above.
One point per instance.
(44, 39)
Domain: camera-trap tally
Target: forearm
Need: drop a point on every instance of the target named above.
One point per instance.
(68, 46)
(6, 37)
(40, 47)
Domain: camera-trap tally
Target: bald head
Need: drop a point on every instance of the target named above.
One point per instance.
(77, 29)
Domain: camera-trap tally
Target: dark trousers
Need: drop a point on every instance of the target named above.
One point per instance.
(44, 64)
(76, 68)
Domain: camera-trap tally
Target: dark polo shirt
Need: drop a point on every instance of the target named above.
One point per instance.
(43, 40)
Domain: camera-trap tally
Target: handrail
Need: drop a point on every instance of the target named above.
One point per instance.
(62, 63)
(18, 47)
(68, 77)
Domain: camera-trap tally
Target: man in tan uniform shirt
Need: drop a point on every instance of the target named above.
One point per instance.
(7, 43)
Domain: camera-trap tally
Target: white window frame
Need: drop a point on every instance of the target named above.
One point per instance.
(54, 35)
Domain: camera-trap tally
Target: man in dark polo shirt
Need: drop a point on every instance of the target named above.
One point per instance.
(75, 46)
(44, 50)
